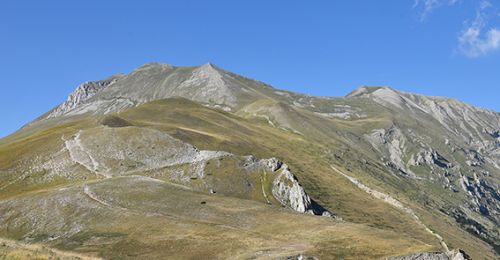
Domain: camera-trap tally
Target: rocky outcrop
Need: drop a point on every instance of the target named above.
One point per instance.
(81, 94)
(471, 225)
(391, 143)
(429, 157)
(483, 197)
(495, 134)
(288, 191)
(474, 158)
(453, 255)
(297, 257)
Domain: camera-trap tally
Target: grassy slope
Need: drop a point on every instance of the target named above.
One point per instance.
(305, 156)
(245, 136)
(393, 231)
(150, 219)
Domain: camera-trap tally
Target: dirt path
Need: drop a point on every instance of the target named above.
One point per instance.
(93, 196)
(393, 202)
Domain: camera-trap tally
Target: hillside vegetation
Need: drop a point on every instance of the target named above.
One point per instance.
(198, 162)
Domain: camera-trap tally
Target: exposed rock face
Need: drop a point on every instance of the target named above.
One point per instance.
(81, 94)
(494, 133)
(206, 84)
(288, 191)
(474, 158)
(297, 257)
(457, 147)
(484, 198)
(273, 164)
(453, 255)
(423, 256)
(476, 127)
(392, 144)
(429, 157)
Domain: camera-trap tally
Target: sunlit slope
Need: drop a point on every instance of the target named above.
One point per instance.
(85, 212)
(427, 168)
(316, 143)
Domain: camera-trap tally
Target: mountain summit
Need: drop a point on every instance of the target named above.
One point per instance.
(199, 162)
(154, 81)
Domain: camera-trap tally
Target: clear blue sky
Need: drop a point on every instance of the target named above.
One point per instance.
(329, 48)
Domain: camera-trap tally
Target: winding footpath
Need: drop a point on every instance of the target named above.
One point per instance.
(393, 202)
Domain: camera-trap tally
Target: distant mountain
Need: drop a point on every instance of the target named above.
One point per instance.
(199, 162)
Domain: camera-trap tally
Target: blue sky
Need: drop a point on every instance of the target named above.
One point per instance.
(328, 48)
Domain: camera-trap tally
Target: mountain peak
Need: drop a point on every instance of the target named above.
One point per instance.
(207, 84)
(211, 67)
(383, 95)
(363, 91)
(209, 64)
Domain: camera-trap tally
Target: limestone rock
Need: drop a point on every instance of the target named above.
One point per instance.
(453, 255)
(288, 191)
(81, 94)
(429, 157)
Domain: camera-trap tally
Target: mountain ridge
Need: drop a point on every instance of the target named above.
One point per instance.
(212, 70)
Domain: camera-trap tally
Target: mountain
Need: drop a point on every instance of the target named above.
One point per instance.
(207, 83)
(199, 162)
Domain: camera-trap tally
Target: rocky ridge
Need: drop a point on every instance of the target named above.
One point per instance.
(206, 84)
(81, 94)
